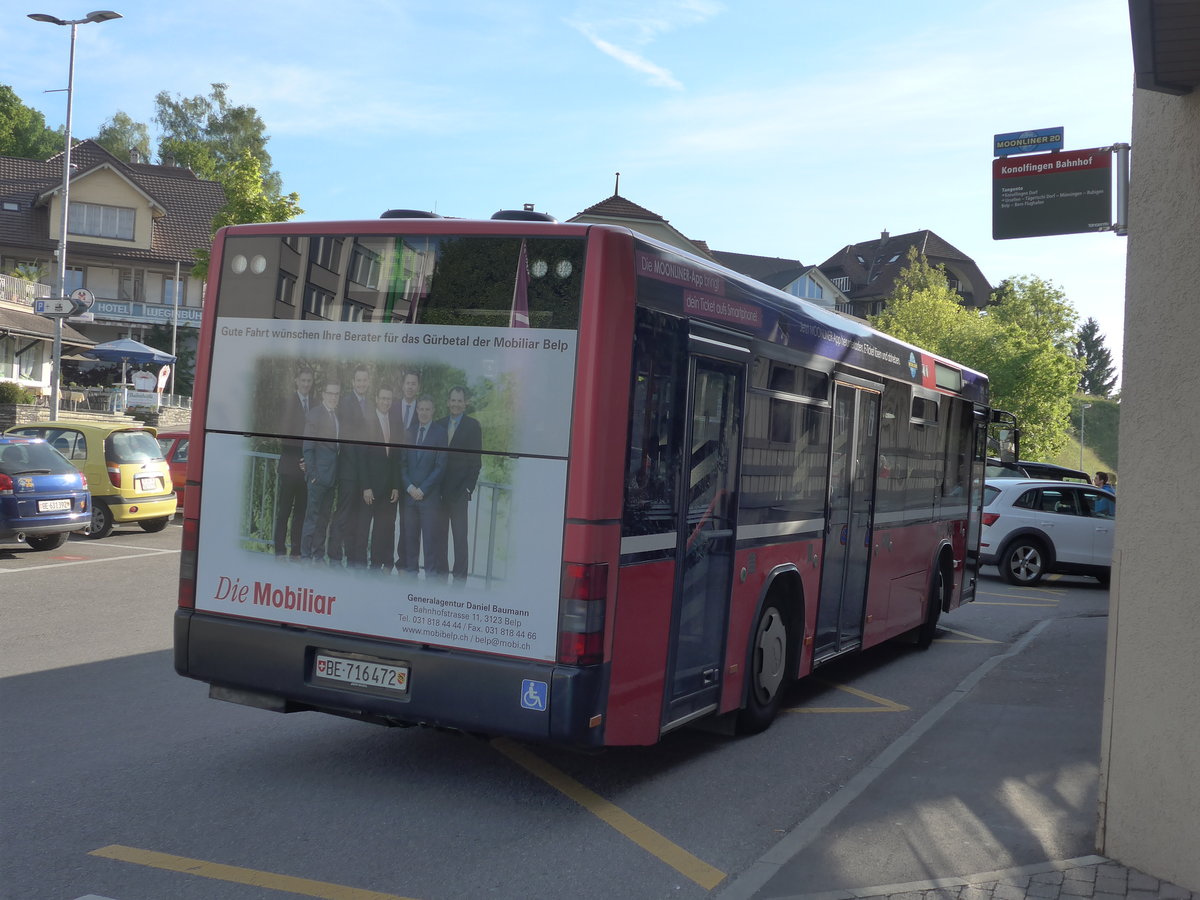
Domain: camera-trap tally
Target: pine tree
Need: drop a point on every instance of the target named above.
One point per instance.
(1099, 375)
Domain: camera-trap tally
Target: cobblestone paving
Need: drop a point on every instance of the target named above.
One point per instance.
(1092, 877)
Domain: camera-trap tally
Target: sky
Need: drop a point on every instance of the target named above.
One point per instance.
(785, 128)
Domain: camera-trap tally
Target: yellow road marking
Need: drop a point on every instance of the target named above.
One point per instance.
(239, 875)
(883, 705)
(971, 638)
(645, 837)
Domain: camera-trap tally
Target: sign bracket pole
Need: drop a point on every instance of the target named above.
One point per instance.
(1122, 225)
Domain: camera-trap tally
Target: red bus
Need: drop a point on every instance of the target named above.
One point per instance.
(686, 489)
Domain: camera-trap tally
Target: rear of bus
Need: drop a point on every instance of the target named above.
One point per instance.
(496, 308)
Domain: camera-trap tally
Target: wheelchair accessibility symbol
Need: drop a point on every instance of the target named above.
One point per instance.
(533, 694)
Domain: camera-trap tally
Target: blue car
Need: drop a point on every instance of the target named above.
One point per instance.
(43, 498)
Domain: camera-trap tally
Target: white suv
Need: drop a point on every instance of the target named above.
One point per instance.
(1031, 528)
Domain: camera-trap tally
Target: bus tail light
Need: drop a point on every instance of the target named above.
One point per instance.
(187, 564)
(114, 475)
(581, 619)
(990, 518)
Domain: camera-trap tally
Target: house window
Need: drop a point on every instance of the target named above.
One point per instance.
(11, 206)
(95, 220)
(73, 281)
(131, 284)
(170, 285)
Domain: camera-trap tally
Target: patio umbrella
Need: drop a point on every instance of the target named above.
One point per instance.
(127, 351)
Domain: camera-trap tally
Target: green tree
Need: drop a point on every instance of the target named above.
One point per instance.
(1099, 375)
(23, 130)
(1030, 375)
(208, 134)
(247, 200)
(1038, 307)
(120, 134)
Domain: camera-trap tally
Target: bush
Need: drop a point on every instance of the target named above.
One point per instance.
(11, 392)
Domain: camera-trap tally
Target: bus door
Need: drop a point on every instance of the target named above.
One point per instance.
(975, 505)
(704, 566)
(848, 520)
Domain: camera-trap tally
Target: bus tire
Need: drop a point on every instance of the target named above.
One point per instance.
(101, 525)
(768, 670)
(927, 630)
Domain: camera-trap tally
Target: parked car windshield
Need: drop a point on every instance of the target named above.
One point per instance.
(132, 447)
(31, 457)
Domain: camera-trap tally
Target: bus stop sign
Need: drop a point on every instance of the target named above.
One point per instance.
(1052, 193)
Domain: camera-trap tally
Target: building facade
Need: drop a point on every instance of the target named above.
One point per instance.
(132, 232)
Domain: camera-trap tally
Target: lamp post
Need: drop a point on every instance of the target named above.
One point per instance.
(1083, 408)
(100, 15)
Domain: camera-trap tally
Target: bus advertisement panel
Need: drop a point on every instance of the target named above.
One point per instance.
(522, 372)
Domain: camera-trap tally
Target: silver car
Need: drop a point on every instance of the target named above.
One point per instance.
(1032, 528)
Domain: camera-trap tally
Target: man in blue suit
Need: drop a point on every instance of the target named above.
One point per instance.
(463, 462)
(322, 430)
(422, 469)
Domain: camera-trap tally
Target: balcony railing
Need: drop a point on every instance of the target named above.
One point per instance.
(18, 290)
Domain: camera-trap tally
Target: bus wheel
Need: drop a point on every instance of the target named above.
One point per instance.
(768, 671)
(927, 630)
(101, 525)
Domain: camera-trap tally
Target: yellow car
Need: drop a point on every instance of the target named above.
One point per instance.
(126, 473)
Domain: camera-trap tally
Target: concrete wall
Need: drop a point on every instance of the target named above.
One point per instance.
(1150, 751)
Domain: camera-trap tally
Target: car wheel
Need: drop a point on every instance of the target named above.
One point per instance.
(47, 541)
(153, 525)
(927, 630)
(102, 521)
(1024, 562)
(768, 671)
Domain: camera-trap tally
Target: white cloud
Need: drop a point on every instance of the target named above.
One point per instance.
(614, 28)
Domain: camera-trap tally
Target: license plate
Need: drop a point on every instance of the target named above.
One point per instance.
(149, 484)
(361, 673)
(54, 505)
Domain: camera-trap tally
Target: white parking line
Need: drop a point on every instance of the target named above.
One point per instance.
(84, 562)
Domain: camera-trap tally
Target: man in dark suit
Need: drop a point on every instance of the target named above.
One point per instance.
(351, 518)
(322, 432)
(463, 461)
(378, 477)
(405, 410)
(421, 476)
(291, 496)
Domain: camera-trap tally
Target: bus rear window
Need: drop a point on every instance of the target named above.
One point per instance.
(492, 282)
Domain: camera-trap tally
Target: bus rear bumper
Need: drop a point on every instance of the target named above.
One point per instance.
(272, 667)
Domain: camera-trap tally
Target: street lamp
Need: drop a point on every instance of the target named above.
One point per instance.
(1083, 408)
(100, 15)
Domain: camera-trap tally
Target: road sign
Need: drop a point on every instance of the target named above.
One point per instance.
(83, 300)
(1028, 141)
(1052, 193)
(54, 307)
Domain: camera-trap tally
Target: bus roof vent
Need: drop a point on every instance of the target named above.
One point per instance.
(527, 214)
(409, 214)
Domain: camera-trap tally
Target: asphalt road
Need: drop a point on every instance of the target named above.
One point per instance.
(124, 781)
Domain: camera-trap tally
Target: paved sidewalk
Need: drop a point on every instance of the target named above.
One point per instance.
(1085, 878)
(992, 795)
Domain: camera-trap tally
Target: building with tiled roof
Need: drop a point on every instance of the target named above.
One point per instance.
(132, 236)
(788, 275)
(616, 210)
(866, 273)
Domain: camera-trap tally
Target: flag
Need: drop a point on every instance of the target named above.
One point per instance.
(519, 317)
